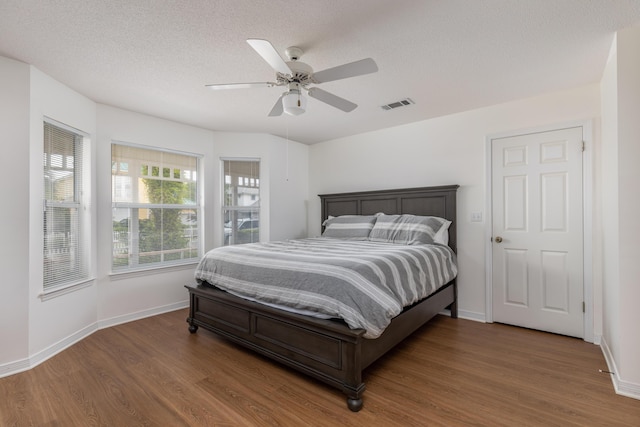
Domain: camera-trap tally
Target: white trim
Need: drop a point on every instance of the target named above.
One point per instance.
(57, 291)
(52, 350)
(47, 353)
(14, 367)
(587, 209)
(488, 228)
(125, 205)
(597, 339)
(239, 159)
(43, 355)
(156, 269)
(587, 229)
(621, 387)
(467, 315)
(118, 320)
(66, 127)
(471, 315)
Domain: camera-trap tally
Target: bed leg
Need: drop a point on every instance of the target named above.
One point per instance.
(354, 404)
(193, 303)
(354, 396)
(454, 310)
(454, 305)
(193, 328)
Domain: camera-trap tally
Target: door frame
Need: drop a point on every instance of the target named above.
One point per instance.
(587, 214)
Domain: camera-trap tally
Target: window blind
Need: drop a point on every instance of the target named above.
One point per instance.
(65, 240)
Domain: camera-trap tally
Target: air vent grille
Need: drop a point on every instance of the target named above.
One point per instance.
(402, 103)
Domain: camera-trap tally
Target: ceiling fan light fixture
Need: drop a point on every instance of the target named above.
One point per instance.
(293, 103)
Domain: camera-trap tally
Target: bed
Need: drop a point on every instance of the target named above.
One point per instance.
(328, 349)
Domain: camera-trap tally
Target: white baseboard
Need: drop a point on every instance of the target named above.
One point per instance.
(52, 350)
(117, 320)
(468, 315)
(14, 367)
(472, 315)
(621, 387)
(34, 360)
(47, 353)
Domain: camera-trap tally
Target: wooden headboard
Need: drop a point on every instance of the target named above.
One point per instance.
(428, 201)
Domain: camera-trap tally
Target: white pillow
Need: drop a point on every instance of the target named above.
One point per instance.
(442, 236)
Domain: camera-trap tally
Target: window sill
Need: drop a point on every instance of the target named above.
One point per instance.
(65, 289)
(121, 275)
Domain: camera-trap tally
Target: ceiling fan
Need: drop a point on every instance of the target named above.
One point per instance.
(297, 76)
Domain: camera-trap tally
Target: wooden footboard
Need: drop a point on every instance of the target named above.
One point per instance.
(323, 349)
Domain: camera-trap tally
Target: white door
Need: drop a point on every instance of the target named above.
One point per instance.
(537, 235)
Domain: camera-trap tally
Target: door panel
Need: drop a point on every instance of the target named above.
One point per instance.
(555, 283)
(553, 200)
(537, 231)
(515, 203)
(516, 277)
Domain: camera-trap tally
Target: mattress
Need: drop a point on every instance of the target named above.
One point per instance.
(364, 283)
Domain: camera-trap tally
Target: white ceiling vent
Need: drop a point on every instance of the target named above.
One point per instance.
(402, 103)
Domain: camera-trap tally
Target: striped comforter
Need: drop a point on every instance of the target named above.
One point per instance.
(362, 282)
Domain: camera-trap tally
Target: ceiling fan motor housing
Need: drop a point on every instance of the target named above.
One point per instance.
(300, 73)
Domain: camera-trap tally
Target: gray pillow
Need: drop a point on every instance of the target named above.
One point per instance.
(407, 229)
(349, 226)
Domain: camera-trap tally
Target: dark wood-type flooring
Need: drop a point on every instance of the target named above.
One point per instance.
(451, 372)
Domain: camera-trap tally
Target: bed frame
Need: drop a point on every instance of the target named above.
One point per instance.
(327, 349)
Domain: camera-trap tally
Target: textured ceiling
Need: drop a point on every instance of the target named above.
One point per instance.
(155, 56)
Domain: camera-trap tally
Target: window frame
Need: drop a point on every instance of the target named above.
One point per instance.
(232, 209)
(82, 273)
(136, 206)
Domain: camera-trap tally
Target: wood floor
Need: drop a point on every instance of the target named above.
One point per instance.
(451, 372)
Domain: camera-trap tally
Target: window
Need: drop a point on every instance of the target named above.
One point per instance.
(156, 208)
(241, 204)
(66, 220)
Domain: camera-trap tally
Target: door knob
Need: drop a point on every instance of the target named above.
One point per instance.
(498, 239)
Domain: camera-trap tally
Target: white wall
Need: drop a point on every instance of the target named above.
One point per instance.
(609, 205)
(289, 189)
(444, 150)
(14, 223)
(32, 328)
(629, 203)
(126, 296)
(123, 297)
(621, 176)
(53, 321)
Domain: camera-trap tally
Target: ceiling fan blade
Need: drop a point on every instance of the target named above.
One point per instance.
(277, 108)
(266, 50)
(240, 85)
(331, 99)
(352, 69)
